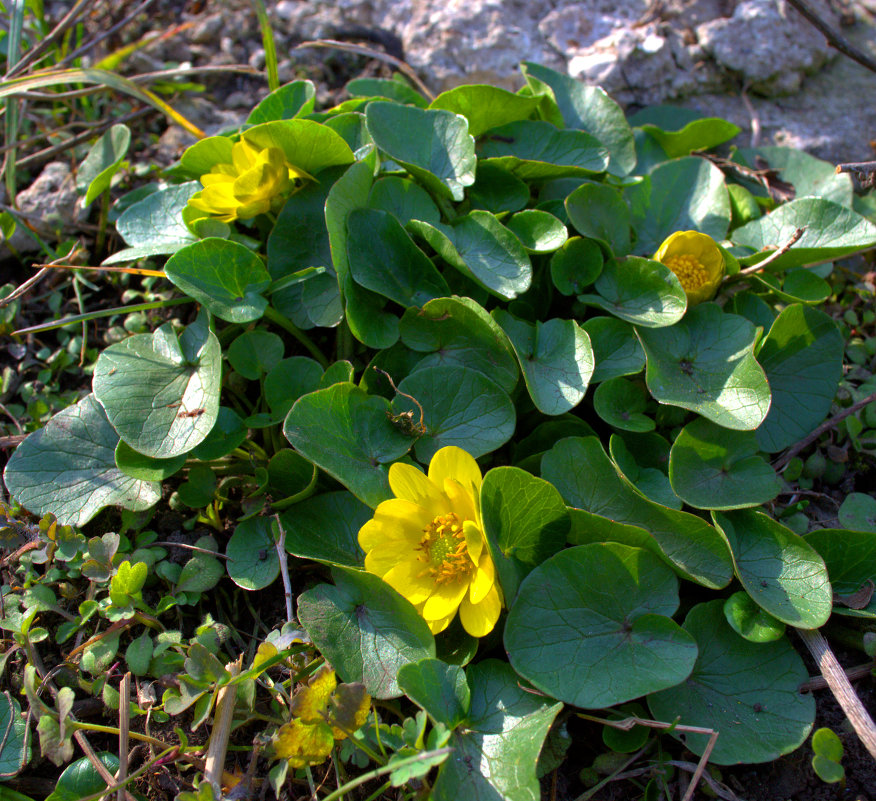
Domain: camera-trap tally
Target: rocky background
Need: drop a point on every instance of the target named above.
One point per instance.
(757, 63)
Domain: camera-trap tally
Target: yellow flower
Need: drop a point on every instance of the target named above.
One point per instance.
(258, 180)
(428, 543)
(697, 261)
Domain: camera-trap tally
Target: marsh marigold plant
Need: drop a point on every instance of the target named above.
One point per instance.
(696, 260)
(428, 543)
(258, 180)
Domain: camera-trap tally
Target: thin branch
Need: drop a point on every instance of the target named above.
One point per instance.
(226, 696)
(124, 729)
(825, 426)
(755, 268)
(842, 690)
(280, 545)
(820, 683)
(834, 39)
(25, 287)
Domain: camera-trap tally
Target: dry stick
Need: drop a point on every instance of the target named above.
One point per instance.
(773, 256)
(367, 51)
(820, 683)
(44, 45)
(280, 545)
(22, 290)
(225, 698)
(124, 728)
(98, 765)
(825, 426)
(842, 690)
(721, 790)
(833, 38)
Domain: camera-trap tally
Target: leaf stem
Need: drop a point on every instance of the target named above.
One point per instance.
(277, 319)
(378, 772)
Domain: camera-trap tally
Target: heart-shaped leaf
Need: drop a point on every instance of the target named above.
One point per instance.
(252, 558)
(617, 350)
(438, 688)
(600, 212)
(484, 106)
(591, 626)
(325, 528)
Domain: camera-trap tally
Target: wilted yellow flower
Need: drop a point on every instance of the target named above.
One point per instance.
(258, 180)
(428, 543)
(697, 261)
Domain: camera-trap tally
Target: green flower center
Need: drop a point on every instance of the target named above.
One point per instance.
(445, 550)
(690, 271)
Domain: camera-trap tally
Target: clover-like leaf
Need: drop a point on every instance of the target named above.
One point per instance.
(706, 363)
(68, 468)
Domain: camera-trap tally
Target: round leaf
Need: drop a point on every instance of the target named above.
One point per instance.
(68, 468)
(621, 404)
(365, 629)
(617, 350)
(288, 101)
(780, 570)
(556, 359)
(226, 277)
(640, 291)
(252, 558)
(599, 212)
(538, 231)
(440, 689)
(748, 620)
(485, 107)
(576, 265)
(145, 468)
(714, 468)
(325, 528)
(255, 353)
(460, 407)
(161, 400)
(706, 363)
(746, 691)
(591, 626)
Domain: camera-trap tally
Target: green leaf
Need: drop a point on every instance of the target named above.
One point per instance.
(15, 748)
(226, 277)
(252, 558)
(587, 479)
(482, 249)
(496, 190)
(826, 743)
(661, 123)
(161, 400)
(288, 380)
(781, 571)
(850, 557)
(228, 433)
(810, 176)
(746, 691)
(538, 231)
(460, 332)
(802, 357)
(306, 144)
(640, 291)
(714, 468)
(404, 199)
(199, 488)
(538, 151)
(385, 87)
(525, 522)
(556, 359)
(599, 211)
(484, 106)
(433, 145)
(325, 528)
(364, 310)
(681, 195)
(136, 465)
(81, 779)
(291, 100)
(827, 769)
(495, 755)
(621, 404)
(255, 353)
(576, 265)
(706, 363)
(616, 349)
(347, 433)
(138, 654)
(383, 258)
(154, 225)
(365, 629)
(591, 626)
(460, 407)
(749, 620)
(68, 468)
(203, 571)
(832, 231)
(590, 109)
(858, 511)
(440, 689)
(102, 162)
(800, 285)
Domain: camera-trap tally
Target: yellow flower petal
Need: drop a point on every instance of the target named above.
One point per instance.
(483, 580)
(444, 600)
(410, 484)
(455, 463)
(406, 579)
(461, 500)
(480, 619)
(474, 540)
(437, 626)
(696, 260)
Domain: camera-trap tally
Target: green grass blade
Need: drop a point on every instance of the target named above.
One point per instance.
(268, 44)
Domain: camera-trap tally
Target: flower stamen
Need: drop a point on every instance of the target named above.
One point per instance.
(689, 270)
(444, 550)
